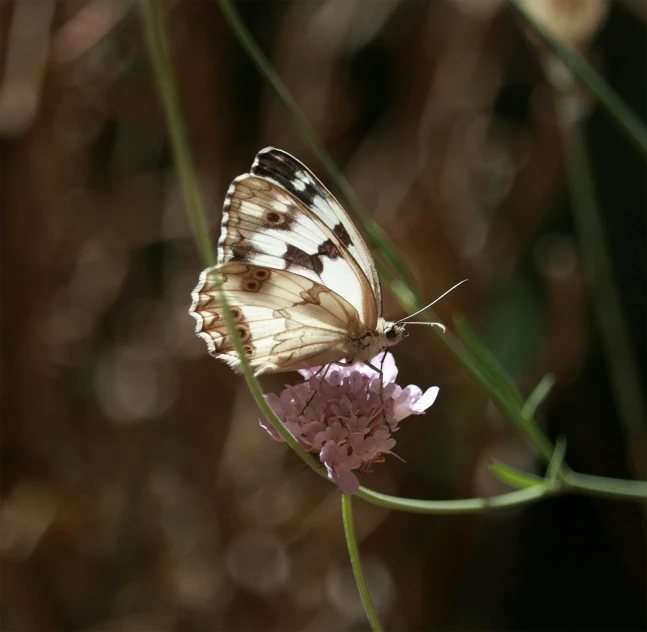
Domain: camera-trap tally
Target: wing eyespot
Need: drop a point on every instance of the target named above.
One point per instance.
(279, 221)
(261, 274)
(251, 285)
(243, 332)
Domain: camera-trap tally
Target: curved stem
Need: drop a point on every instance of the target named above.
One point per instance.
(594, 485)
(510, 500)
(572, 482)
(356, 563)
(376, 232)
(167, 88)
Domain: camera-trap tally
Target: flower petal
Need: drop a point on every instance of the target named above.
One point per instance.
(350, 415)
(425, 400)
(269, 428)
(347, 482)
(328, 453)
(389, 370)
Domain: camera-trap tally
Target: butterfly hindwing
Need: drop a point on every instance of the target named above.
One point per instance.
(285, 320)
(280, 167)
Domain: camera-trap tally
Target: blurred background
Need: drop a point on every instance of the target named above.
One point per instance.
(138, 491)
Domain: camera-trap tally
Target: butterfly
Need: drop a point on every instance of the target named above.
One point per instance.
(300, 281)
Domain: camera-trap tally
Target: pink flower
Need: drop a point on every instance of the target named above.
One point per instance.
(343, 418)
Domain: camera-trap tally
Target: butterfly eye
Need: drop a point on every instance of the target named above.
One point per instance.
(391, 333)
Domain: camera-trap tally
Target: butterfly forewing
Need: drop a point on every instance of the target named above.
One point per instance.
(266, 225)
(291, 174)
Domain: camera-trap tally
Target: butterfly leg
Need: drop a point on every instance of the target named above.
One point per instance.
(381, 373)
(319, 370)
(323, 377)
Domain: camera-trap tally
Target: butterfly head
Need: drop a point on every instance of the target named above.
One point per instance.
(393, 333)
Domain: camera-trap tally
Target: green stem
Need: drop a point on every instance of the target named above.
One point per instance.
(571, 482)
(404, 291)
(502, 389)
(620, 489)
(163, 69)
(509, 500)
(161, 61)
(356, 562)
(615, 107)
(598, 267)
(378, 236)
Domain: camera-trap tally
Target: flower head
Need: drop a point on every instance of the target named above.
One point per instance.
(344, 417)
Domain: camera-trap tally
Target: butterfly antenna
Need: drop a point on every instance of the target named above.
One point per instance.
(439, 325)
(428, 306)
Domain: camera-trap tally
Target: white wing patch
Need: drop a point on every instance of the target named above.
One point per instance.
(266, 225)
(286, 171)
(285, 320)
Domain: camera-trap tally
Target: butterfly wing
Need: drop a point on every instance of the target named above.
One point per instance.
(286, 321)
(280, 167)
(300, 280)
(266, 225)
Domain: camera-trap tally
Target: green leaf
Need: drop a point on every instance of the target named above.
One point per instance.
(538, 395)
(514, 477)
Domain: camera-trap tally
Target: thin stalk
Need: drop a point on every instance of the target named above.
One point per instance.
(163, 69)
(378, 236)
(167, 88)
(356, 563)
(620, 489)
(161, 61)
(570, 482)
(597, 264)
(510, 500)
(404, 290)
(614, 106)
(502, 390)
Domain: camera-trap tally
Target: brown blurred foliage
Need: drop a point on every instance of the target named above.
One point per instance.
(138, 491)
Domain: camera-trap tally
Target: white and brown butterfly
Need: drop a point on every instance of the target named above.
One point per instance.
(300, 281)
